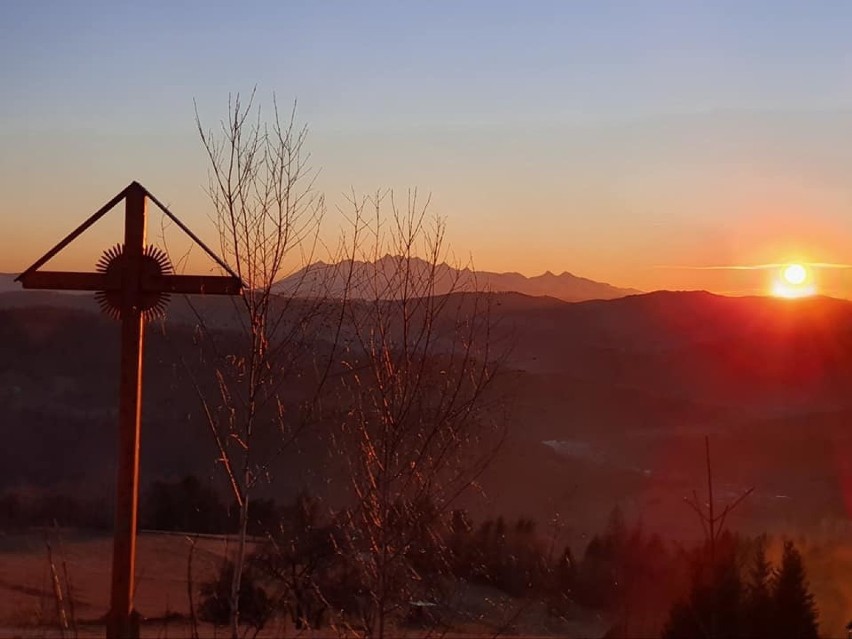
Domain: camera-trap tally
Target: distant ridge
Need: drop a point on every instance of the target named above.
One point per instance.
(8, 283)
(331, 279)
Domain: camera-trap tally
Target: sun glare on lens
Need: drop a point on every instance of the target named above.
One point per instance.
(793, 281)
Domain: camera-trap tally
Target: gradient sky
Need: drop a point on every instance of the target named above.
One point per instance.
(615, 140)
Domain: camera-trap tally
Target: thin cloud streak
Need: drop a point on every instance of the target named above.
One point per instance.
(753, 267)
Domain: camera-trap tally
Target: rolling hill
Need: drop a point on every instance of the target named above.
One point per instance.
(607, 402)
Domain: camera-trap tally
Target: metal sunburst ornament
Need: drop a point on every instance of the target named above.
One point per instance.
(155, 263)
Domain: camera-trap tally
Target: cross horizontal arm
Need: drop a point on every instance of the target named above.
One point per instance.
(185, 284)
(192, 284)
(68, 281)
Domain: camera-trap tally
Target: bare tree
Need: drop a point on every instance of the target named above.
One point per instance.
(410, 367)
(416, 430)
(712, 521)
(267, 215)
(720, 569)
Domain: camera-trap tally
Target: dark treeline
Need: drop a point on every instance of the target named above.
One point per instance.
(25, 508)
(306, 566)
(186, 505)
(735, 592)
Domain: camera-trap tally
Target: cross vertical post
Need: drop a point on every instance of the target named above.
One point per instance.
(133, 283)
(123, 622)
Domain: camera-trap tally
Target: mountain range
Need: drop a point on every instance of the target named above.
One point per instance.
(360, 279)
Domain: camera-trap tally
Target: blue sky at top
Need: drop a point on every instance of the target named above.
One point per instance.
(597, 132)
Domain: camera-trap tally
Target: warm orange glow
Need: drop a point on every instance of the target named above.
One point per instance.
(793, 281)
(782, 289)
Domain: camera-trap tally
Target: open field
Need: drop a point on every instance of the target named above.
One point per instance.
(27, 602)
(28, 609)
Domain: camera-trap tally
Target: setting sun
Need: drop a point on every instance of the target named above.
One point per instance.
(795, 274)
(793, 281)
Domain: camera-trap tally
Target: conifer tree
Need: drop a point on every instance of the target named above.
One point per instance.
(759, 605)
(795, 611)
(566, 572)
(714, 607)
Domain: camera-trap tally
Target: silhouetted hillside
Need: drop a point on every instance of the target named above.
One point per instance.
(8, 283)
(608, 401)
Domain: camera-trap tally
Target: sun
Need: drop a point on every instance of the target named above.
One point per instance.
(793, 281)
(795, 274)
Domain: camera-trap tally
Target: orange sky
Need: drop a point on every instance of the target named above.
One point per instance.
(629, 231)
(611, 144)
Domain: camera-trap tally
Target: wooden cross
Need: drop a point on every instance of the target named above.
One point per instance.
(133, 283)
